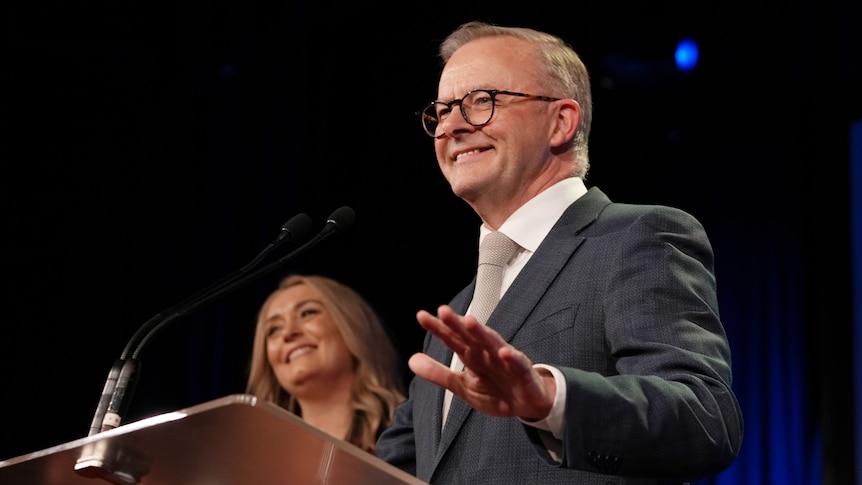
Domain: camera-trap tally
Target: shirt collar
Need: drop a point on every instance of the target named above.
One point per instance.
(529, 225)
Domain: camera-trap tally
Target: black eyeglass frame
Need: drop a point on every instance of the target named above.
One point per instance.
(492, 93)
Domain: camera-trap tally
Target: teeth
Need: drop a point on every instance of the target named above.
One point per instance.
(467, 153)
(298, 352)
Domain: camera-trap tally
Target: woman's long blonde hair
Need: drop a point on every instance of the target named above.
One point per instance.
(378, 387)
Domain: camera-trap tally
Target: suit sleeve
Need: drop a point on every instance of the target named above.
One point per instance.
(661, 404)
(397, 444)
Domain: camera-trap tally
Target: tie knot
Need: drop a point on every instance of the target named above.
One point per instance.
(497, 249)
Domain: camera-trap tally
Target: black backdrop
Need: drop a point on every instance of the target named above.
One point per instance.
(155, 147)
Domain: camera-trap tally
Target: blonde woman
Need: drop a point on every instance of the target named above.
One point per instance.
(321, 352)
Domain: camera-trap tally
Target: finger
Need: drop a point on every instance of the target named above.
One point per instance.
(515, 364)
(429, 369)
(484, 343)
(444, 330)
(465, 326)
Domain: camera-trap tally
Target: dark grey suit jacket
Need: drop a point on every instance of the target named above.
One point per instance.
(621, 298)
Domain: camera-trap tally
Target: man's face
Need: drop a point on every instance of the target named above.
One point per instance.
(505, 159)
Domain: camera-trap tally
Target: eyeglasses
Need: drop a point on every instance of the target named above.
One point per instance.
(477, 108)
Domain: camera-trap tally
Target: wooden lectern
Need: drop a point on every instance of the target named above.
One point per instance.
(234, 440)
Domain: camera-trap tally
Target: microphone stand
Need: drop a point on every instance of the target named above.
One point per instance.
(123, 374)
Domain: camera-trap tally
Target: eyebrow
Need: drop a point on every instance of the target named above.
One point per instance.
(462, 96)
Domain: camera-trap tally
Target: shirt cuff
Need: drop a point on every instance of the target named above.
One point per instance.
(555, 420)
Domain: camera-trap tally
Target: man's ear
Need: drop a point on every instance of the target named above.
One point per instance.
(568, 120)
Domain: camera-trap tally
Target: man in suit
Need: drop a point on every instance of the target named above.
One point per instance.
(605, 361)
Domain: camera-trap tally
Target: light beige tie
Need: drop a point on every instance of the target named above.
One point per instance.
(495, 252)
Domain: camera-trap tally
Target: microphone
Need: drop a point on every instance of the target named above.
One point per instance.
(122, 377)
(123, 374)
(298, 226)
(340, 220)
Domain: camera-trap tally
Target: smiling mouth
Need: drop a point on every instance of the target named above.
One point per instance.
(471, 152)
(299, 352)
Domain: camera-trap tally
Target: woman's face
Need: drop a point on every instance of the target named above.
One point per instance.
(303, 345)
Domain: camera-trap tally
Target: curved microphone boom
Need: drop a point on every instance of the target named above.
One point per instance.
(123, 375)
(296, 228)
(339, 220)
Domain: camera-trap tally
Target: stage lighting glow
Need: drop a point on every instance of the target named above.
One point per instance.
(686, 55)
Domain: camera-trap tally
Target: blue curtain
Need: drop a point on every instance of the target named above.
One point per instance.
(763, 305)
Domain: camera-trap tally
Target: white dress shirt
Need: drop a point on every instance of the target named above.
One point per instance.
(528, 226)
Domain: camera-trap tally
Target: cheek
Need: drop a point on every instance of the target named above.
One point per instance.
(440, 149)
(339, 351)
(272, 352)
(445, 166)
(348, 359)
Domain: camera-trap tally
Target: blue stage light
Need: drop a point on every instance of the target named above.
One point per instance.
(686, 55)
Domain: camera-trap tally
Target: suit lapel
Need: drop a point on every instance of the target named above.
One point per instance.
(543, 267)
(522, 296)
(443, 354)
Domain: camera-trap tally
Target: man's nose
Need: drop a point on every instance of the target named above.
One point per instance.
(454, 123)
